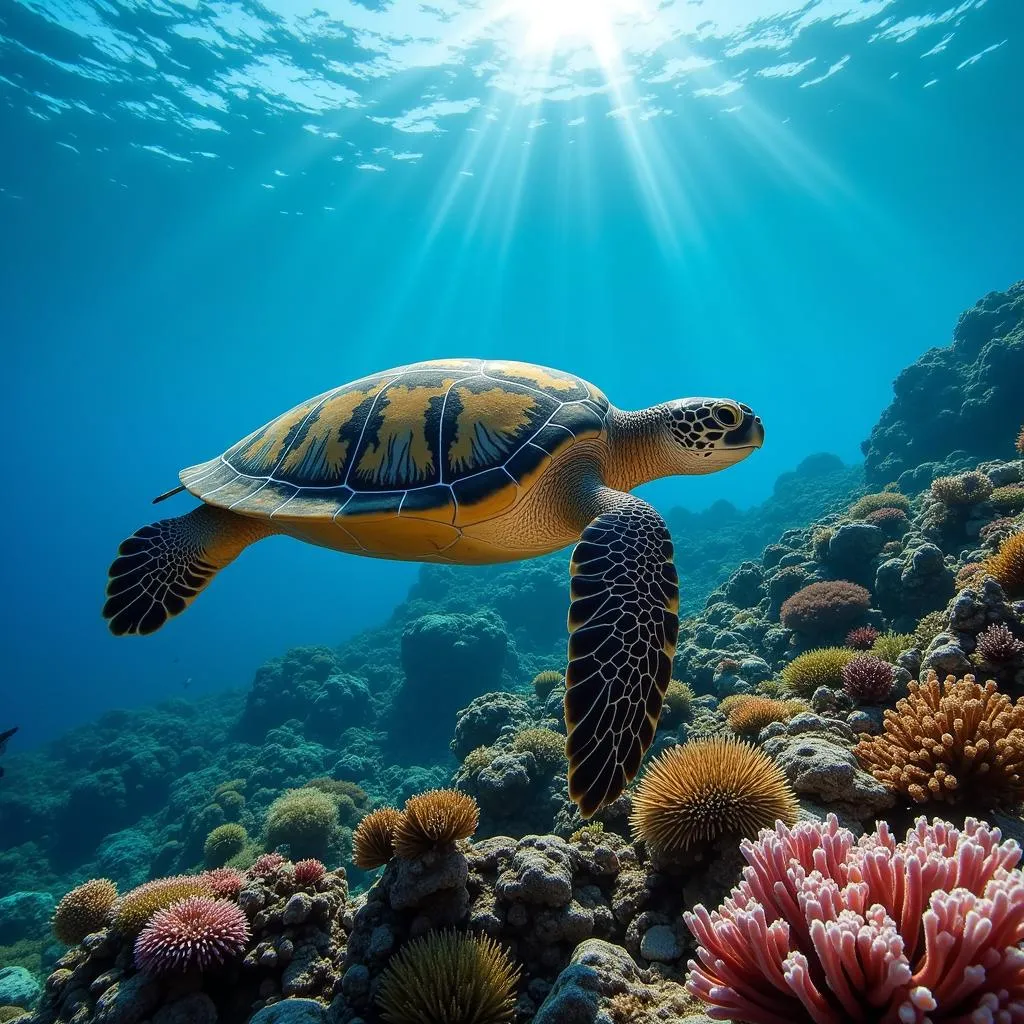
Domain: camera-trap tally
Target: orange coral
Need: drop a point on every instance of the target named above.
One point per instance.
(748, 717)
(435, 818)
(951, 741)
(1007, 565)
(373, 841)
(705, 789)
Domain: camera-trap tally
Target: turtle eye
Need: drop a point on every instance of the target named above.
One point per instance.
(728, 415)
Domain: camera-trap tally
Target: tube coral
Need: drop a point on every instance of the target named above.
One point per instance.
(829, 930)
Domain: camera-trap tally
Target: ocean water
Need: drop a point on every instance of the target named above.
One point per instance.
(211, 210)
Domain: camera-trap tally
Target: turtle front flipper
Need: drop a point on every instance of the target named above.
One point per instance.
(623, 625)
(162, 567)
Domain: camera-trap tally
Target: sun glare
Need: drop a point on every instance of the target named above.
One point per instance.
(544, 26)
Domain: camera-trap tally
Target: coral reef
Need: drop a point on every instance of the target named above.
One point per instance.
(825, 607)
(83, 910)
(827, 929)
(434, 820)
(196, 932)
(951, 742)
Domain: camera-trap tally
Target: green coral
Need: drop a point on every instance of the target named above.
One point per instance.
(929, 628)
(678, 703)
(133, 910)
(871, 502)
(889, 646)
(479, 758)
(223, 843)
(544, 683)
(589, 833)
(305, 820)
(820, 667)
(820, 540)
(546, 745)
(11, 1013)
(27, 953)
(1010, 498)
(341, 787)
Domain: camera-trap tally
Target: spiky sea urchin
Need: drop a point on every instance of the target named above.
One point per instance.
(435, 818)
(867, 678)
(225, 882)
(83, 910)
(373, 841)
(703, 790)
(196, 932)
(309, 871)
(449, 978)
(545, 682)
(861, 638)
(266, 864)
(751, 714)
(821, 667)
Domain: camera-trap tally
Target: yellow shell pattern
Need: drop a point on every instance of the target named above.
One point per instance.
(448, 441)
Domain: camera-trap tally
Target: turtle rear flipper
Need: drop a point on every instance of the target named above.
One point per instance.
(162, 567)
(623, 624)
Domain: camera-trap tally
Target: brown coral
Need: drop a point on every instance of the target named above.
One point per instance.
(448, 978)
(951, 741)
(962, 489)
(83, 910)
(133, 910)
(373, 841)
(1007, 565)
(435, 818)
(545, 682)
(700, 791)
(750, 715)
(824, 607)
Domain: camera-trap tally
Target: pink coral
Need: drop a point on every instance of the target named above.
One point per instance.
(224, 882)
(309, 872)
(830, 930)
(892, 521)
(997, 645)
(867, 678)
(195, 932)
(266, 864)
(862, 638)
(824, 607)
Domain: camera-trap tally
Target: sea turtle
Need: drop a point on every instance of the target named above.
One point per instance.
(469, 461)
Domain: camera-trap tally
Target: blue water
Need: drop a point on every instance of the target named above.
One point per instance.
(210, 211)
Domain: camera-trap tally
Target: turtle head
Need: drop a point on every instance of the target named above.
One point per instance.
(709, 434)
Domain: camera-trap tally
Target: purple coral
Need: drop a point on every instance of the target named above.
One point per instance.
(998, 645)
(195, 932)
(827, 929)
(867, 678)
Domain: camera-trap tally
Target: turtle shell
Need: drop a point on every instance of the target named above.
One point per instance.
(453, 440)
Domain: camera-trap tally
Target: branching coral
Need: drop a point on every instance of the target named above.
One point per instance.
(1007, 565)
(872, 502)
(998, 646)
(546, 745)
(751, 714)
(83, 910)
(435, 818)
(223, 843)
(545, 682)
(829, 930)
(962, 489)
(825, 607)
(303, 819)
(889, 646)
(197, 932)
(373, 842)
(861, 638)
(131, 912)
(867, 678)
(820, 667)
(703, 790)
(449, 978)
(951, 741)
(479, 758)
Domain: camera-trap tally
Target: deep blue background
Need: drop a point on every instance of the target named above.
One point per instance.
(806, 249)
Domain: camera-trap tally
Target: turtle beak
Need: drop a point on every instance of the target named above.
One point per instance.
(749, 434)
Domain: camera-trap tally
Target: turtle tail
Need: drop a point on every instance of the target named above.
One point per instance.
(161, 568)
